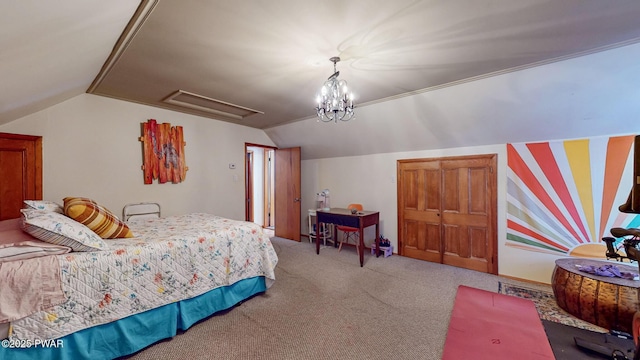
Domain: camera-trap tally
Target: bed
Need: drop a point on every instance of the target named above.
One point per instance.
(130, 292)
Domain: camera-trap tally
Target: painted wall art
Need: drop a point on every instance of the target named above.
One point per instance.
(563, 196)
(163, 153)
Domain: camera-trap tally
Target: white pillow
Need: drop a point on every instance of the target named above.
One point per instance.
(15, 244)
(43, 205)
(56, 228)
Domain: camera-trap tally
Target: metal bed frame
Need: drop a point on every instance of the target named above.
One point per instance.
(142, 210)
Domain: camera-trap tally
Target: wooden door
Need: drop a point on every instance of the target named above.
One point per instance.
(468, 213)
(419, 210)
(287, 193)
(447, 211)
(20, 172)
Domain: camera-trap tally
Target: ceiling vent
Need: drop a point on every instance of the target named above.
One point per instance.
(213, 106)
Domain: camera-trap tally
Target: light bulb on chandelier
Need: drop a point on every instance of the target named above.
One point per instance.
(335, 102)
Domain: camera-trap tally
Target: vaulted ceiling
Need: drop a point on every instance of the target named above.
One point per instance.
(272, 56)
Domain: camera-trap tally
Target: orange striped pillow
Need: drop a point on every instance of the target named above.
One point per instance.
(97, 218)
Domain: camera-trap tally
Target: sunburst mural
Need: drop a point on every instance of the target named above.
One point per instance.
(563, 196)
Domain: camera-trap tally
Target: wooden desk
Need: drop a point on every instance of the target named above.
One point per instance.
(360, 220)
(604, 301)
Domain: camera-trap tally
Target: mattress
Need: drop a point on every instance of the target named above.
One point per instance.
(169, 260)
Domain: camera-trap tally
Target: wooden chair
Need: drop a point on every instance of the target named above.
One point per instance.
(350, 232)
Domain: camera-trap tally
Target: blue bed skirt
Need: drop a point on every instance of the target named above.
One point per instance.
(134, 333)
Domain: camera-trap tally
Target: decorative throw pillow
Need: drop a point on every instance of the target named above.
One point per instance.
(55, 228)
(43, 205)
(97, 218)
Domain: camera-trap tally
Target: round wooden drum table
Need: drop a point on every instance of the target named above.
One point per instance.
(604, 301)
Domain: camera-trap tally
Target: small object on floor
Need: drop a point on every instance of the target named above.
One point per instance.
(384, 242)
(386, 250)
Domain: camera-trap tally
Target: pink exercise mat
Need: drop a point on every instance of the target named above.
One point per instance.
(488, 325)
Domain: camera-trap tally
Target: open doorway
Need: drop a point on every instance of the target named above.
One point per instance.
(259, 185)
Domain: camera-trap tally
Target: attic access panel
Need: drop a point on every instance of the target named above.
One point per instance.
(214, 106)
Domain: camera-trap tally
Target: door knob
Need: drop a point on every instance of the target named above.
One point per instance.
(296, 200)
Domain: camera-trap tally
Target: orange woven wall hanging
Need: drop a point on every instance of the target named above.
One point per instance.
(163, 153)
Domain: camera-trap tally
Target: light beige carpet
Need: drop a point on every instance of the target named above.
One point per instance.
(327, 307)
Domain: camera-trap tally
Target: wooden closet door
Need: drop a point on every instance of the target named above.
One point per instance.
(468, 213)
(20, 172)
(419, 209)
(447, 211)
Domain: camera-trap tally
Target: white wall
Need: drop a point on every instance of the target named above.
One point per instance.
(91, 148)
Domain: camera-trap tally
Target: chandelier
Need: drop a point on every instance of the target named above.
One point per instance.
(334, 103)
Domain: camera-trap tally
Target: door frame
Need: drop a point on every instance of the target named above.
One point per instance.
(249, 183)
(248, 188)
(269, 188)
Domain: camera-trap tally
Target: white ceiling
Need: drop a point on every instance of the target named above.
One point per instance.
(52, 50)
(273, 56)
